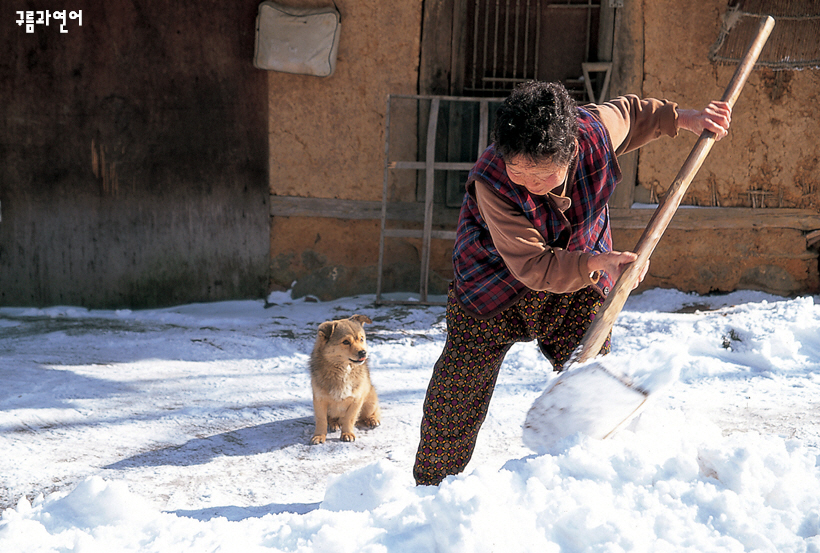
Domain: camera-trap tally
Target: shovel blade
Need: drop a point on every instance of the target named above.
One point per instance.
(587, 399)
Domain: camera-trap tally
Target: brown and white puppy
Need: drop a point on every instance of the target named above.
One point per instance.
(343, 395)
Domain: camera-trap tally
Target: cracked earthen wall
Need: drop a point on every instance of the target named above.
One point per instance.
(327, 141)
(326, 138)
(773, 144)
(771, 151)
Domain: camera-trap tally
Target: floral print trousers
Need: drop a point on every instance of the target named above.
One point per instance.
(464, 377)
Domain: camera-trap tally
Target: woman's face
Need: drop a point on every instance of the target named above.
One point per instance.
(537, 177)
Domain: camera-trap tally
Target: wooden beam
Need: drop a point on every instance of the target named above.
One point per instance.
(706, 218)
(436, 47)
(411, 233)
(292, 206)
(694, 218)
(627, 77)
(812, 238)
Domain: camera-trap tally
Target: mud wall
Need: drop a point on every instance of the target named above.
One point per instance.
(770, 151)
(773, 143)
(774, 260)
(326, 140)
(133, 156)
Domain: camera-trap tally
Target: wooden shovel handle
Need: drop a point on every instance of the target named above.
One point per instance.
(599, 329)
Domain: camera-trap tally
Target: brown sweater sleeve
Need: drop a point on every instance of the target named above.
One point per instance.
(526, 253)
(633, 121)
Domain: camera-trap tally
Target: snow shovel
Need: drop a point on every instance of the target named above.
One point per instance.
(589, 397)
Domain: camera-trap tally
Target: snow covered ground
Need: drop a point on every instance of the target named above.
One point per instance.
(186, 429)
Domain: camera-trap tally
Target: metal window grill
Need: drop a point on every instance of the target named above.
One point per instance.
(513, 41)
(794, 43)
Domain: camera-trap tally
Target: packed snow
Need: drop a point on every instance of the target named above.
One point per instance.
(186, 429)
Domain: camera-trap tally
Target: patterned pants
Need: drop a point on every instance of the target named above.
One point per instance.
(463, 380)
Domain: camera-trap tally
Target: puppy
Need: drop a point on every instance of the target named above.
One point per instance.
(342, 392)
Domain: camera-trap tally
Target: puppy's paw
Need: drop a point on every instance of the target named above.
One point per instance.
(348, 437)
(333, 425)
(316, 440)
(370, 422)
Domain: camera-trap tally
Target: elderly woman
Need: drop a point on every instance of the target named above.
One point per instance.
(533, 255)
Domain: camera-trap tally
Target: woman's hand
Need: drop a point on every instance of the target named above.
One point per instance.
(614, 263)
(715, 117)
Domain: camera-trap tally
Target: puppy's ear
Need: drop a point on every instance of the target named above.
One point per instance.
(361, 319)
(326, 330)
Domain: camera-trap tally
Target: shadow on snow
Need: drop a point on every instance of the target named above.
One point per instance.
(252, 440)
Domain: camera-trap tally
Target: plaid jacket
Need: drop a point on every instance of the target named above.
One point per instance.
(483, 283)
